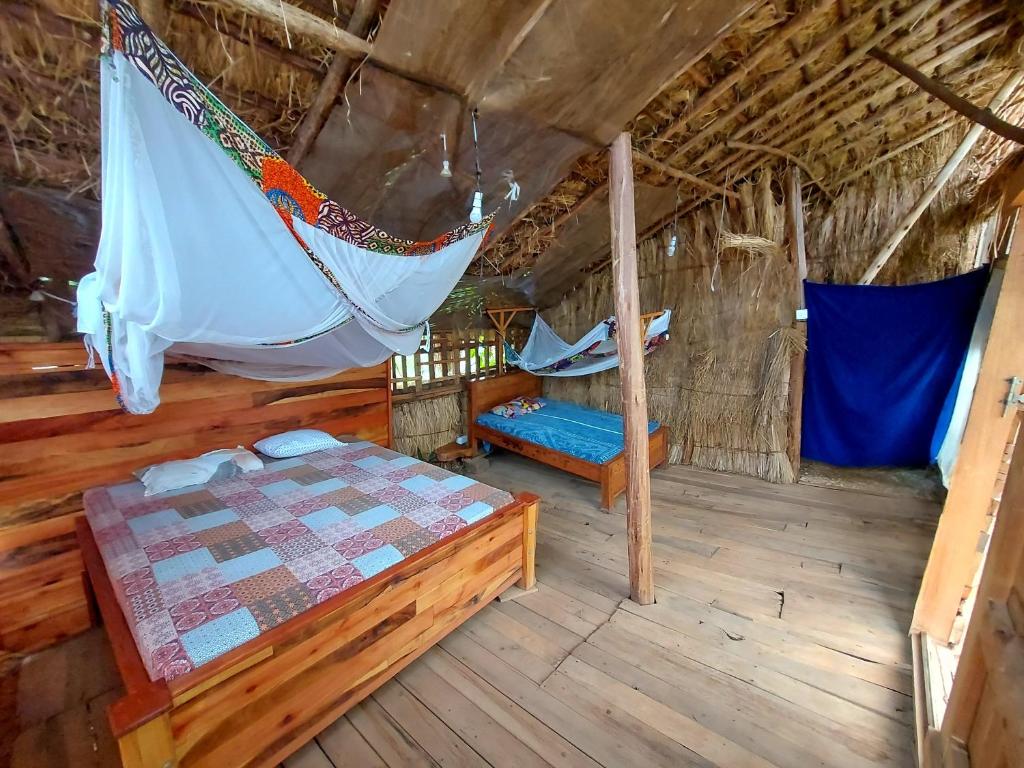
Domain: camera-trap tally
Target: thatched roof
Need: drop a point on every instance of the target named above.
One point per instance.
(711, 90)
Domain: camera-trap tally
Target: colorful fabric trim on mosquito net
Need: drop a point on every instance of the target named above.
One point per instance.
(215, 250)
(126, 32)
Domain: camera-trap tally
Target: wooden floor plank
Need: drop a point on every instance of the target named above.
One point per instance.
(779, 638)
(346, 747)
(429, 731)
(478, 729)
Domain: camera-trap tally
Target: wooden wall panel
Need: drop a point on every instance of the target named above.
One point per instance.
(984, 721)
(62, 431)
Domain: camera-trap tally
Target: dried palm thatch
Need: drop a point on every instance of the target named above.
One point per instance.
(422, 426)
(49, 91)
(797, 78)
(721, 384)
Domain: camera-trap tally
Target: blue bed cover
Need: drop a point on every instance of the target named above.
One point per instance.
(586, 433)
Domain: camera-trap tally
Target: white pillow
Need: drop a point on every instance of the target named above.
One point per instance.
(172, 475)
(296, 443)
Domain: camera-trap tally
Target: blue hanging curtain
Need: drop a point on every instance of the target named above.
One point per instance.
(882, 366)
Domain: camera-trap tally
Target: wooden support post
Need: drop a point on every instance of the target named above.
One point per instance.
(529, 578)
(933, 189)
(795, 217)
(631, 372)
(954, 554)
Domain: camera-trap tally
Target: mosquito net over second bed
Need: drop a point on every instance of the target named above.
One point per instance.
(547, 354)
(215, 249)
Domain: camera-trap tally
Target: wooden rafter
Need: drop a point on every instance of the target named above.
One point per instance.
(668, 170)
(297, 21)
(331, 86)
(502, 317)
(982, 116)
(763, 148)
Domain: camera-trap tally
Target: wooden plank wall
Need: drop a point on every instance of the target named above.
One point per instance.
(984, 722)
(61, 432)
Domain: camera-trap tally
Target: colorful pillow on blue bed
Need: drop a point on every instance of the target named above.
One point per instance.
(518, 407)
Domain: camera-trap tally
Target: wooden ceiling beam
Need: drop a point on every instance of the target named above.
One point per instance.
(725, 85)
(862, 134)
(768, 86)
(765, 149)
(230, 28)
(792, 130)
(944, 175)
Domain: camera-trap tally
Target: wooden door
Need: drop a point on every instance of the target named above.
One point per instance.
(984, 722)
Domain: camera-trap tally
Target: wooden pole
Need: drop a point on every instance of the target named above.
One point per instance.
(297, 21)
(631, 372)
(974, 113)
(668, 170)
(331, 86)
(933, 189)
(795, 217)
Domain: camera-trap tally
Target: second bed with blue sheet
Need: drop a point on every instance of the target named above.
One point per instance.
(584, 441)
(586, 433)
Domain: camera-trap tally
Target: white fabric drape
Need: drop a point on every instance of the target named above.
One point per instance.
(545, 354)
(195, 260)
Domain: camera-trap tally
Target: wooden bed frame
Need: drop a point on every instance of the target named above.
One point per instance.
(484, 394)
(260, 702)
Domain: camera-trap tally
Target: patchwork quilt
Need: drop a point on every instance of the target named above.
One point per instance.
(201, 570)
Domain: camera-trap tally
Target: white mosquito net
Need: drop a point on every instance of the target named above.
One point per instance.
(545, 354)
(215, 249)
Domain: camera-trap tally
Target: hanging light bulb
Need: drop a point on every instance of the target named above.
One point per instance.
(476, 215)
(446, 167)
(673, 243)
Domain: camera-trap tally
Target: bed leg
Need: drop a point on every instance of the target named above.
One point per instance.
(148, 746)
(607, 492)
(529, 579)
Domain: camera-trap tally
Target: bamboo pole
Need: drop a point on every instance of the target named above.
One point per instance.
(940, 181)
(631, 373)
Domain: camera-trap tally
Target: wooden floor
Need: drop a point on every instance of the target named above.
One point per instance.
(779, 638)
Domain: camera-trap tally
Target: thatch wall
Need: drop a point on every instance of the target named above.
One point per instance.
(722, 382)
(423, 425)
